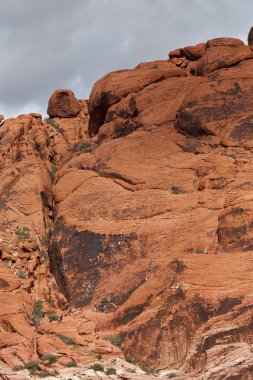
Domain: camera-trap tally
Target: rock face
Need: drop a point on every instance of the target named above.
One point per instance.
(63, 103)
(128, 231)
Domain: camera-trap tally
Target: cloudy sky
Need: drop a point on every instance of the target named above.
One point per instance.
(50, 44)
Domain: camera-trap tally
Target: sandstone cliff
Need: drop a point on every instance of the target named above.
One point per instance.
(126, 221)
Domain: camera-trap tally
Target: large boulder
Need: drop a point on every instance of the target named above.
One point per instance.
(119, 84)
(63, 103)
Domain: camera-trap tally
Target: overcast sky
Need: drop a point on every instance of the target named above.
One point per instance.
(50, 44)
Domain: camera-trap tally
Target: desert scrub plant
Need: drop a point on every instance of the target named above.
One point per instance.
(49, 358)
(132, 360)
(177, 190)
(72, 363)
(22, 233)
(32, 366)
(52, 173)
(232, 155)
(131, 370)
(111, 371)
(17, 368)
(44, 254)
(171, 375)
(97, 367)
(37, 313)
(82, 147)
(68, 340)
(150, 370)
(45, 240)
(53, 124)
(44, 374)
(115, 340)
(21, 275)
(154, 66)
(53, 316)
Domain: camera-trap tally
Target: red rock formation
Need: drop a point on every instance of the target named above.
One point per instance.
(144, 208)
(63, 103)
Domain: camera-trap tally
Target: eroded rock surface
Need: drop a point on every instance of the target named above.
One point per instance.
(127, 221)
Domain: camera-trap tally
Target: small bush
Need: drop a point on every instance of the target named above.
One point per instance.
(131, 370)
(49, 358)
(81, 147)
(37, 313)
(52, 316)
(99, 357)
(115, 340)
(32, 366)
(54, 124)
(44, 254)
(132, 360)
(22, 233)
(232, 155)
(171, 375)
(17, 368)
(177, 190)
(154, 66)
(67, 340)
(22, 275)
(72, 363)
(44, 374)
(97, 367)
(150, 370)
(45, 240)
(111, 371)
(52, 173)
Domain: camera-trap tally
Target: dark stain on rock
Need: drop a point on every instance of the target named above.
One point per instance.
(244, 130)
(3, 283)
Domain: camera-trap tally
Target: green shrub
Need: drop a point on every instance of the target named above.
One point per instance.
(17, 368)
(54, 124)
(22, 275)
(44, 254)
(99, 357)
(32, 366)
(49, 358)
(154, 66)
(115, 340)
(150, 370)
(171, 375)
(22, 233)
(131, 370)
(132, 360)
(53, 316)
(82, 147)
(97, 367)
(72, 363)
(67, 340)
(52, 173)
(177, 190)
(111, 371)
(45, 240)
(37, 313)
(232, 155)
(44, 374)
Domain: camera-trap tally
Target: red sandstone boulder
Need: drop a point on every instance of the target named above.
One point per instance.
(117, 85)
(221, 53)
(63, 103)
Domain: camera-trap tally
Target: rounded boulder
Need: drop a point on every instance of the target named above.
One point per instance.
(63, 103)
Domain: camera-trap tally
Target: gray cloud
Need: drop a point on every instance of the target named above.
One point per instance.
(50, 44)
